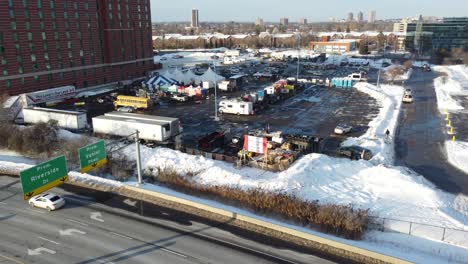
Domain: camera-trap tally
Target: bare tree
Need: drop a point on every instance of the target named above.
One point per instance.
(408, 64)
(394, 72)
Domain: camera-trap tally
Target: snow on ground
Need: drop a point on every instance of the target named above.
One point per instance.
(338, 59)
(67, 135)
(458, 154)
(389, 97)
(410, 248)
(454, 84)
(93, 180)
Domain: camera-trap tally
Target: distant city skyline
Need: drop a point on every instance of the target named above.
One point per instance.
(248, 11)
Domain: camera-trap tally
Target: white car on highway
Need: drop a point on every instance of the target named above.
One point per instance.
(48, 200)
(408, 98)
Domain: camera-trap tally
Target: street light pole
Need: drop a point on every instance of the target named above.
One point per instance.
(215, 93)
(298, 57)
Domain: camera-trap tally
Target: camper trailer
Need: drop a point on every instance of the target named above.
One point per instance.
(236, 107)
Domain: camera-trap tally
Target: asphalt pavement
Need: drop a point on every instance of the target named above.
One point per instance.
(97, 227)
(421, 135)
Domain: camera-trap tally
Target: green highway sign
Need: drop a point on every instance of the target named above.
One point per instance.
(43, 177)
(93, 156)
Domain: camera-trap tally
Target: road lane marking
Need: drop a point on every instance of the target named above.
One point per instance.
(35, 211)
(76, 221)
(51, 241)
(105, 261)
(173, 252)
(69, 232)
(97, 216)
(11, 259)
(38, 251)
(3, 203)
(120, 235)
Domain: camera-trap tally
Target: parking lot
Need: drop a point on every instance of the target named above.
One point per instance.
(315, 111)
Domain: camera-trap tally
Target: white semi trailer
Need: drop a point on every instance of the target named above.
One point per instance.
(153, 131)
(71, 120)
(174, 123)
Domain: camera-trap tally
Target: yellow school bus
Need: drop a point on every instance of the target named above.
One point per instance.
(133, 101)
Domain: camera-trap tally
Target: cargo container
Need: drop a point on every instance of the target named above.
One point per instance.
(70, 120)
(151, 131)
(174, 123)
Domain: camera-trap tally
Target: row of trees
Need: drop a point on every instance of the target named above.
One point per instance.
(231, 28)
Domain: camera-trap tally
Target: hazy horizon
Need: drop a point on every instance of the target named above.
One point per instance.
(273, 10)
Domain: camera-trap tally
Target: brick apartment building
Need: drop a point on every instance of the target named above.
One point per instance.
(53, 43)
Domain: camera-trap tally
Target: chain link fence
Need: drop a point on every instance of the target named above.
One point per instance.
(450, 235)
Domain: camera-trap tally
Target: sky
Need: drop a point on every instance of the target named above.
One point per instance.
(313, 10)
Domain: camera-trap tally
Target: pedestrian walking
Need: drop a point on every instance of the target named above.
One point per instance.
(387, 133)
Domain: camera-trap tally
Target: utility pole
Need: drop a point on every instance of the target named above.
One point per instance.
(298, 57)
(137, 142)
(378, 78)
(215, 93)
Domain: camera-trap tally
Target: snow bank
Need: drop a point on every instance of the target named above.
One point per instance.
(389, 99)
(93, 180)
(455, 83)
(457, 154)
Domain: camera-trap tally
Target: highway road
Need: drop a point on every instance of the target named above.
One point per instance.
(420, 138)
(96, 227)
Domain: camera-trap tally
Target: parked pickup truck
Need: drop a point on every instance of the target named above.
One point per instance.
(355, 153)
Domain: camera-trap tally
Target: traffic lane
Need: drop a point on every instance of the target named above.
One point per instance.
(150, 235)
(421, 137)
(221, 234)
(135, 242)
(34, 235)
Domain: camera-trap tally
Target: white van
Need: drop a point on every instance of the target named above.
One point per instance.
(236, 107)
(357, 77)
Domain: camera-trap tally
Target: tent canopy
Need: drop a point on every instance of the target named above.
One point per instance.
(211, 76)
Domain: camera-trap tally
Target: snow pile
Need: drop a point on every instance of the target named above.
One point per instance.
(458, 154)
(12, 168)
(67, 135)
(338, 59)
(93, 180)
(455, 83)
(389, 98)
(303, 53)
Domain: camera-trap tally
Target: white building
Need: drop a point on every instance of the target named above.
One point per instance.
(195, 20)
(259, 22)
(372, 16)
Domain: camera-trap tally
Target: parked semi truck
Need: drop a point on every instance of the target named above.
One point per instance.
(152, 131)
(174, 123)
(71, 120)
